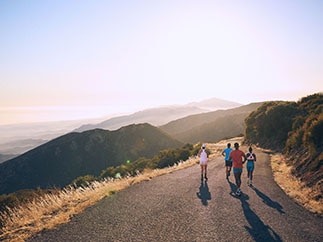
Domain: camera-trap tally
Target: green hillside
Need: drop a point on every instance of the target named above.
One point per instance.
(297, 129)
(210, 126)
(61, 160)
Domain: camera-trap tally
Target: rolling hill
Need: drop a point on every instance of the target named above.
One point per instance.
(210, 126)
(60, 161)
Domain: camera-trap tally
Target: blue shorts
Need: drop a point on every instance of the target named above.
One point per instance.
(237, 170)
(250, 166)
(228, 163)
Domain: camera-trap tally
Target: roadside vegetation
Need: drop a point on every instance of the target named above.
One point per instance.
(295, 129)
(25, 213)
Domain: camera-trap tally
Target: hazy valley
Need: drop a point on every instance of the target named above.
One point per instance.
(19, 138)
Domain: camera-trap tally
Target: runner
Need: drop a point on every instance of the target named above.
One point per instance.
(238, 159)
(228, 163)
(203, 162)
(251, 158)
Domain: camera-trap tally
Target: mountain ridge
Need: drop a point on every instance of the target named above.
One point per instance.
(161, 115)
(18, 134)
(61, 160)
(210, 126)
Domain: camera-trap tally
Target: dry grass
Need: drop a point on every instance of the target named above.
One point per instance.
(293, 187)
(50, 210)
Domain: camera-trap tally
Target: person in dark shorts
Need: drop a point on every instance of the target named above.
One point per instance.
(238, 159)
(228, 163)
(251, 158)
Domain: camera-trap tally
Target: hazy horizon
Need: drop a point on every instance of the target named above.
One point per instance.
(71, 60)
(48, 114)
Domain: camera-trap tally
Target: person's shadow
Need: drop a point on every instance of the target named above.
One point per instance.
(268, 201)
(233, 188)
(257, 229)
(204, 193)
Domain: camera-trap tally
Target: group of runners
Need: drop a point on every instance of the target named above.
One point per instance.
(234, 160)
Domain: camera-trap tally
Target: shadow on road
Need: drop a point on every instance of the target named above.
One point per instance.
(258, 230)
(204, 193)
(268, 201)
(233, 188)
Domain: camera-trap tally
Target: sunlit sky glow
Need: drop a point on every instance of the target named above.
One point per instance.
(82, 59)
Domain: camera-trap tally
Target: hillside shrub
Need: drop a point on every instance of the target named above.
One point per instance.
(83, 180)
(295, 128)
(164, 158)
(270, 124)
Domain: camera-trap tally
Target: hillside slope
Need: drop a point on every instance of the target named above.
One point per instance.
(61, 160)
(210, 126)
(295, 128)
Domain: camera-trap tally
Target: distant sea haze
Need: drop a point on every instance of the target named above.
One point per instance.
(34, 114)
(37, 114)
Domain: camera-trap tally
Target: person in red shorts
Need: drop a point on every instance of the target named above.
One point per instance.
(238, 158)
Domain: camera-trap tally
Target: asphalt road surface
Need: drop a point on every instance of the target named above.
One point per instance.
(177, 207)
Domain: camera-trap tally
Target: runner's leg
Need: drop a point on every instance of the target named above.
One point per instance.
(205, 172)
(202, 172)
(251, 175)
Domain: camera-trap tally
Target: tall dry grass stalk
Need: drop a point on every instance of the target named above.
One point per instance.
(46, 212)
(293, 187)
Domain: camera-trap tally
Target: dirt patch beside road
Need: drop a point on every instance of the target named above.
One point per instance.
(293, 187)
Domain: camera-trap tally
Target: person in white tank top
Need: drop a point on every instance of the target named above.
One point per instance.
(204, 158)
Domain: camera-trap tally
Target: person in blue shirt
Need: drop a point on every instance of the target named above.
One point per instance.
(228, 162)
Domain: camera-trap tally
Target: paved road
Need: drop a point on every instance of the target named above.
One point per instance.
(176, 207)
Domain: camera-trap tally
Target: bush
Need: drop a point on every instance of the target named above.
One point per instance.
(296, 129)
(83, 180)
(270, 124)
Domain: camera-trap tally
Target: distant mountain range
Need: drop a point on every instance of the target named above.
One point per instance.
(16, 139)
(19, 138)
(161, 115)
(60, 161)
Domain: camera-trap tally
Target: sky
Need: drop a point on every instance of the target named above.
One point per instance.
(73, 59)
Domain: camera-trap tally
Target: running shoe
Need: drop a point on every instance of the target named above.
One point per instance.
(238, 192)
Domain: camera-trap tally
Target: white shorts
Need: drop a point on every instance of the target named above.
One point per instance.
(203, 162)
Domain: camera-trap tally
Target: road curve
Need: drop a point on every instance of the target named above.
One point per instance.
(176, 207)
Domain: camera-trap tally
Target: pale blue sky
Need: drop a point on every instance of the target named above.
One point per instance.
(93, 58)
